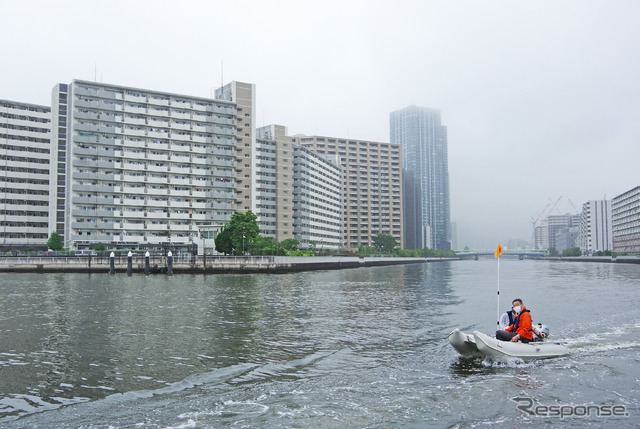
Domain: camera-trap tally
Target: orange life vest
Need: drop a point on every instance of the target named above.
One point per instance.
(522, 325)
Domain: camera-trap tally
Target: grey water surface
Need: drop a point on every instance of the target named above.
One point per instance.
(362, 347)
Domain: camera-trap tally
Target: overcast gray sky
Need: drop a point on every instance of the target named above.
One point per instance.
(541, 98)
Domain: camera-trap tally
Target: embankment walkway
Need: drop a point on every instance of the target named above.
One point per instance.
(182, 264)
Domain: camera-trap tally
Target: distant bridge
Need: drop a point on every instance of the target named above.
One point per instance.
(520, 253)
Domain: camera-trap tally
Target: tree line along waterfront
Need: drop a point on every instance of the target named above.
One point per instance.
(242, 237)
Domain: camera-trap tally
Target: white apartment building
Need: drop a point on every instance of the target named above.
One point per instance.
(138, 168)
(596, 227)
(372, 190)
(25, 137)
(541, 236)
(317, 199)
(625, 214)
(298, 192)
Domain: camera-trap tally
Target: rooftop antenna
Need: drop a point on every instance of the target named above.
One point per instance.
(95, 72)
(221, 73)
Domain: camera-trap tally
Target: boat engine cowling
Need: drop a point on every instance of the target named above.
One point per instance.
(540, 329)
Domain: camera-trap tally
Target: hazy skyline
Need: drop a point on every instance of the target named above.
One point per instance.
(540, 99)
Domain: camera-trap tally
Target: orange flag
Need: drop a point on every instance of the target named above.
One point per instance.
(498, 251)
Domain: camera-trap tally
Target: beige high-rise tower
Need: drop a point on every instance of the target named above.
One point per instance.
(298, 192)
(243, 95)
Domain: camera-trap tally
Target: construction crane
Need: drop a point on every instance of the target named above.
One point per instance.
(544, 214)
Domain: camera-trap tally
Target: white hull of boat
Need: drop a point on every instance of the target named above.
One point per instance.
(465, 344)
(482, 344)
(494, 348)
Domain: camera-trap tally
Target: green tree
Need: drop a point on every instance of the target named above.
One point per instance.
(55, 242)
(223, 242)
(384, 243)
(289, 245)
(553, 251)
(574, 251)
(239, 234)
(365, 250)
(263, 246)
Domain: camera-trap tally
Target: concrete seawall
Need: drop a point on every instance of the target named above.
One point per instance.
(209, 265)
(599, 259)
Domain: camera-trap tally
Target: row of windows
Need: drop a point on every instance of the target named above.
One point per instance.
(24, 128)
(23, 191)
(22, 148)
(23, 235)
(24, 213)
(23, 138)
(144, 97)
(17, 202)
(12, 169)
(23, 108)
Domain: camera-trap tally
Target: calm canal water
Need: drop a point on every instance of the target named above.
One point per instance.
(351, 348)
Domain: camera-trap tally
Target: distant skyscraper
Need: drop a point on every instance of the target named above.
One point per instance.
(424, 153)
(411, 211)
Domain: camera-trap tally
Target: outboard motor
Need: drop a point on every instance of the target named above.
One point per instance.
(537, 330)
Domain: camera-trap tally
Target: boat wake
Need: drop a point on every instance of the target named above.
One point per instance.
(129, 406)
(616, 338)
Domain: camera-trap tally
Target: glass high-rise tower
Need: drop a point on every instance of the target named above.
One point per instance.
(424, 154)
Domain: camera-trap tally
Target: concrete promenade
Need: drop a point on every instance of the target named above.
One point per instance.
(191, 264)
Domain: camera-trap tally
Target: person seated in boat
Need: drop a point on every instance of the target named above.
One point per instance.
(521, 328)
(507, 319)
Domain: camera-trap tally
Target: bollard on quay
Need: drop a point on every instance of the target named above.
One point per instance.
(129, 263)
(112, 263)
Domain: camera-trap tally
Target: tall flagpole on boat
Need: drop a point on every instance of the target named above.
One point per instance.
(497, 255)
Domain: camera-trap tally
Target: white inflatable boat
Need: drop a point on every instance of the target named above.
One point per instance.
(479, 343)
(465, 344)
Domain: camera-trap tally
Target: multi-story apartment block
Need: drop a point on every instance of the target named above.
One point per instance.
(596, 227)
(243, 96)
(298, 192)
(372, 190)
(25, 137)
(556, 222)
(317, 199)
(567, 238)
(625, 214)
(273, 172)
(136, 168)
(424, 152)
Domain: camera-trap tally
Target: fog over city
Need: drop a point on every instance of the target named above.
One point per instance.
(541, 99)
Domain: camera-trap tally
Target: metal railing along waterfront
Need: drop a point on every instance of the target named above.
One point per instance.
(186, 259)
(136, 259)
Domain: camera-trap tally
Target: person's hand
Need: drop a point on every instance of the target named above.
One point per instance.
(543, 335)
(515, 339)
